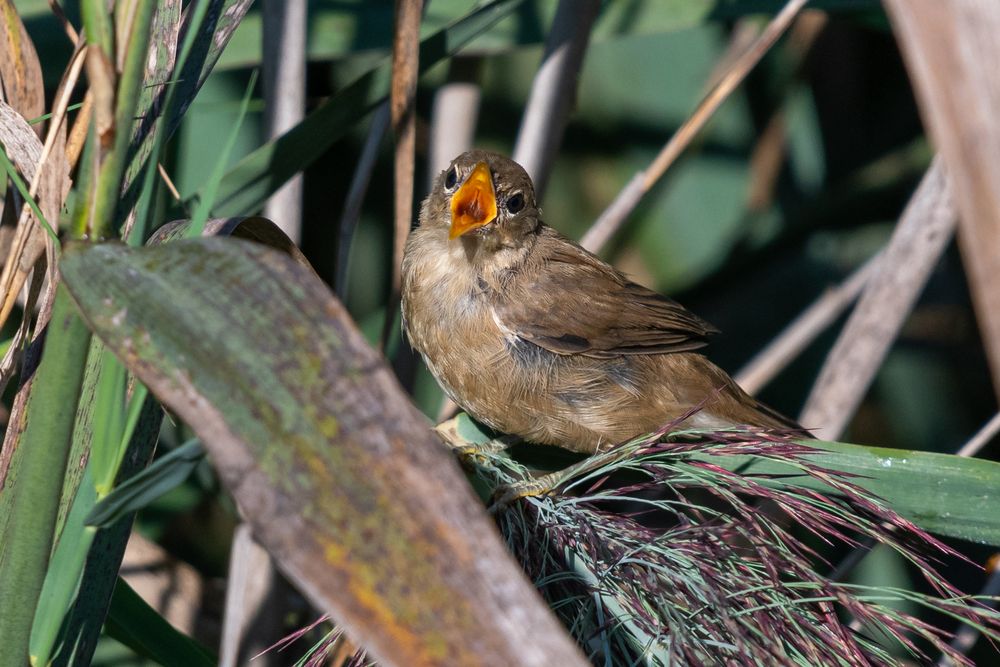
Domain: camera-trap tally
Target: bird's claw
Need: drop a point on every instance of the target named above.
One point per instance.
(470, 452)
(507, 494)
(479, 455)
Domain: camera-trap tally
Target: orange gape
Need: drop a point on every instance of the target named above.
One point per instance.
(474, 204)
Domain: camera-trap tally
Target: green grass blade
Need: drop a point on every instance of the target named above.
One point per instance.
(97, 581)
(63, 578)
(148, 485)
(204, 208)
(97, 21)
(44, 446)
(109, 423)
(7, 167)
(137, 625)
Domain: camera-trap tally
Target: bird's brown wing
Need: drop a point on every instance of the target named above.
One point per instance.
(577, 304)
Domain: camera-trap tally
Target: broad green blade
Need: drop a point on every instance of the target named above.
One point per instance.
(156, 480)
(336, 470)
(93, 593)
(942, 493)
(27, 529)
(137, 625)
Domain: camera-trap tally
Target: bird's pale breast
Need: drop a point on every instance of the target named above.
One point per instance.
(510, 384)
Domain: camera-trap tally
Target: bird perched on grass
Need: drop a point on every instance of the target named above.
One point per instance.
(536, 337)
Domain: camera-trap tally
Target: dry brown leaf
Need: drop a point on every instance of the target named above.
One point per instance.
(21, 83)
(47, 174)
(951, 51)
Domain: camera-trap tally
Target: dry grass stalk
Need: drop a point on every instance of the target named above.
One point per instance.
(981, 438)
(256, 603)
(951, 51)
(50, 183)
(453, 116)
(916, 245)
(788, 344)
(553, 91)
(615, 214)
(402, 99)
(284, 65)
(67, 27)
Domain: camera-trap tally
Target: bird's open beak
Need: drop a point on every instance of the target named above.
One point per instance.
(475, 203)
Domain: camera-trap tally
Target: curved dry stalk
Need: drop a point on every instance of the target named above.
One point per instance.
(916, 245)
(553, 91)
(615, 214)
(30, 243)
(284, 67)
(768, 154)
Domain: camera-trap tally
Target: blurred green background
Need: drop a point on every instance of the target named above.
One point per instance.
(745, 251)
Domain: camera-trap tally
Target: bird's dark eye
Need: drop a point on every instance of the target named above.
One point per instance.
(450, 178)
(515, 203)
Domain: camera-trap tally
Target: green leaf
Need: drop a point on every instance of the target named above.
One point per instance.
(942, 493)
(28, 526)
(945, 494)
(151, 483)
(205, 203)
(82, 626)
(473, 431)
(336, 470)
(62, 580)
(137, 625)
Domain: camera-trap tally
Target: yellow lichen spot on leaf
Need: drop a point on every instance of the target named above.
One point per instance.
(328, 426)
(334, 553)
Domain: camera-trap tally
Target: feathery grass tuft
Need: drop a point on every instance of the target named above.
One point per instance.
(655, 554)
(659, 556)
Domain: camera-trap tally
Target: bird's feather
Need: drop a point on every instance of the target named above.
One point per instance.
(576, 304)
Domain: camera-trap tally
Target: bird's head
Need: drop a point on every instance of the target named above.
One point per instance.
(487, 200)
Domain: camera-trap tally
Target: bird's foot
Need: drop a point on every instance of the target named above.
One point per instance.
(507, 494)
(477, 453)
(551, 483)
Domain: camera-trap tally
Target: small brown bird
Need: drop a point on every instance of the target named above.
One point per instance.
(536, 337)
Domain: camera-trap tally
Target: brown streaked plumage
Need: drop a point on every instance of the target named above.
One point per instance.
(536, 337)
